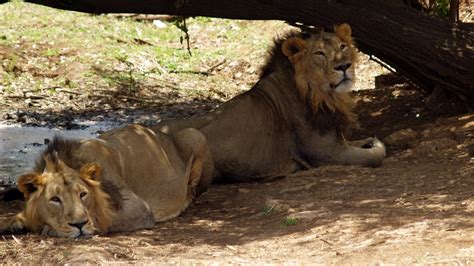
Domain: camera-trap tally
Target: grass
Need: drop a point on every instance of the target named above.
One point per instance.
(267, 210)
(44, 47)
(288, 221)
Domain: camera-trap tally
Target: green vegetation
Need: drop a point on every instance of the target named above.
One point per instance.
(290, 221)
(441, 8)
(267, 210)
(44, 48)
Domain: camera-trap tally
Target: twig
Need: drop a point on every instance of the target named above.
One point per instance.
(134, 40)
(126, 97)
(378, 61)
(204, 73)
(18, 242)
(32, 97)
(48, 75)
(216, 66)
(142, 42)
(181, 24)
(58, 89)
(141, 17)
(325, 241)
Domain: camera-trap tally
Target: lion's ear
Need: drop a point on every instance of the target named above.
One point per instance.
(293, 46)
(91, 170)
(29, 183)
(343, 31)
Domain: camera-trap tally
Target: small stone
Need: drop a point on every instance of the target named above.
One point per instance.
(8, 116)
(21, 118)
(244, 190)
(470, 150)
(159, 24)
(402, 137)
(459, 136)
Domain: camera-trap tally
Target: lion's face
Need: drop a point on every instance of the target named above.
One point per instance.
(324, 60)
(61, 201)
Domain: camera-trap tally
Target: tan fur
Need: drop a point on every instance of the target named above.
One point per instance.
(30, 214)
(126, 180)
(100, 207)
(312, 85)
(296, 116)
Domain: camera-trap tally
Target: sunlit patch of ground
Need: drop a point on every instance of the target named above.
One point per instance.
(416, 209)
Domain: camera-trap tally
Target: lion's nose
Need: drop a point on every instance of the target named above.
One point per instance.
(79, 225)
(344, 67)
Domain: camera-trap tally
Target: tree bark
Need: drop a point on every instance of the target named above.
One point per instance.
(454, 10)
(430, 51)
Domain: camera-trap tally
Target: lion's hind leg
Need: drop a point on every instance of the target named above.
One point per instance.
(193, 149)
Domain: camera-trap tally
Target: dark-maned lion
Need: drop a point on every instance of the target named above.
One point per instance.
(125, 180)
(295, 116)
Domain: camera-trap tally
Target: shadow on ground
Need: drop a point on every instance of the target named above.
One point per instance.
(421, 195)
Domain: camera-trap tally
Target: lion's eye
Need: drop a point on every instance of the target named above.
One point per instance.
(55, 199)
(343, 46)
(321, 53)
(83, 194)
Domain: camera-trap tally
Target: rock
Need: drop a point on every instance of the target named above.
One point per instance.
(21, 118)
(244, 190)
(307, 215)
(159, 24)
(402, 137)
(8, 116)
(470, 150)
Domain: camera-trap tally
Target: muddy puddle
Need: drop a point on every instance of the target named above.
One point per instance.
(21, 145)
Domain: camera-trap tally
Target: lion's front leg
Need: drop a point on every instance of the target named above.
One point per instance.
(368, 152)
(134, 213)
(331, 149)
(364, 143)
(13, 225)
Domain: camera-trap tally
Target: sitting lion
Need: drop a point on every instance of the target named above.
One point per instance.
(295, 117)
(125, 180)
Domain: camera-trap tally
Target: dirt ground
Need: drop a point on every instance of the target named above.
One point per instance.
(417, 208)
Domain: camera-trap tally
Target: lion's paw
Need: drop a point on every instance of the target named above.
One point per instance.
(368, 143)
(12, 226)
(18, 227)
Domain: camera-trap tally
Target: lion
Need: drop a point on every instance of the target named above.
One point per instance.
(127, 179)
(296, 116)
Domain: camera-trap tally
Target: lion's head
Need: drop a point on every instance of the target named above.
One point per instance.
(65, 202)
(324, 65)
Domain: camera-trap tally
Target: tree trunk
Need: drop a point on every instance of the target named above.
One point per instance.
(430, 51)
(454, 10)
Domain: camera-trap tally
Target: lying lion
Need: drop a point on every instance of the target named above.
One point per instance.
(127, 179)
(295, 117)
